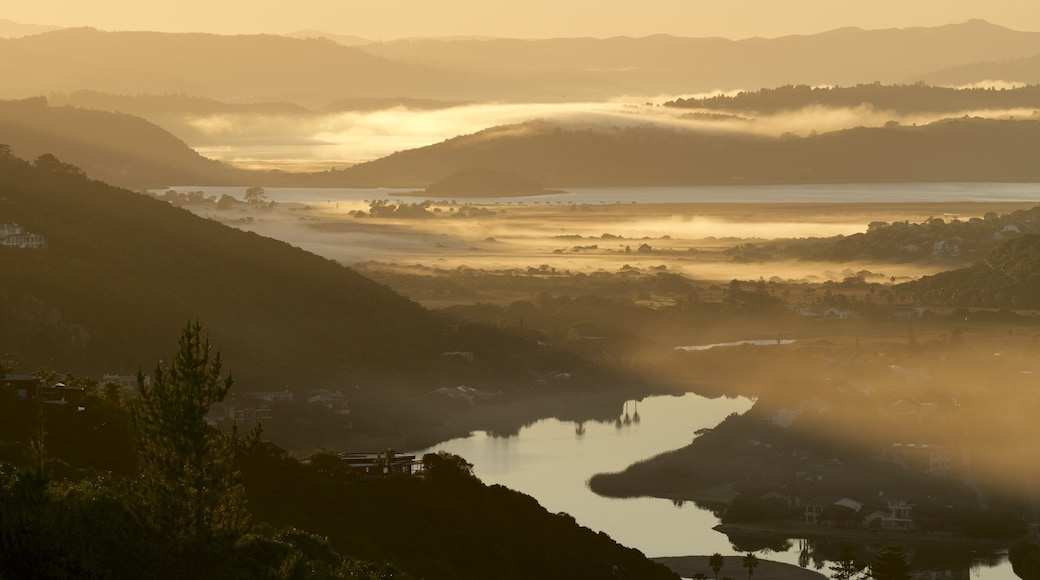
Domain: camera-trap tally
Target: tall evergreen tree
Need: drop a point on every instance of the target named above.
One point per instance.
(187, 486)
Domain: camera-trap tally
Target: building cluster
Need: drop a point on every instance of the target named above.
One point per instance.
(883, 513)
(13, 236)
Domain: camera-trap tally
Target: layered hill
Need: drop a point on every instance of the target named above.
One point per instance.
(965, 149)
(113, 147)
(234, 68)
(675, 65)
(316, 71)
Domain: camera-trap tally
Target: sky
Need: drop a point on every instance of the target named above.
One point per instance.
(391, 19)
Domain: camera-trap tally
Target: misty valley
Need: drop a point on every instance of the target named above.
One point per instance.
(317, 307)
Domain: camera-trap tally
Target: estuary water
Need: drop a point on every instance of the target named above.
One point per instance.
(552, 460)
(830, 193)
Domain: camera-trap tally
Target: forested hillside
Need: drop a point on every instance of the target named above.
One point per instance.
(122, 271)
(915, 98)
(1008, 277)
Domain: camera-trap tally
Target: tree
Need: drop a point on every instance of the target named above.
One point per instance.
(255, 195)
(890, 564)
(750, 562)
(845, 567)
(716, 561)
(187, 485)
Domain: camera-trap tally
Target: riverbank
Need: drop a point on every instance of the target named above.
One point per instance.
(687, 566)
(815, 532)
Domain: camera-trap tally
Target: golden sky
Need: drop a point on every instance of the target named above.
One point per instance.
(389, 19)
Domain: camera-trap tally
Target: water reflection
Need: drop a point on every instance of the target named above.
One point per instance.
(551, 460)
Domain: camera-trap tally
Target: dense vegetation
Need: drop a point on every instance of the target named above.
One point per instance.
(947, 240)
(899, 99)
(1007, 277)
(149, 490)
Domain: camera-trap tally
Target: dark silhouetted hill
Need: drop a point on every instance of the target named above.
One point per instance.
(116, 148)
(123, 271)
(964, 149)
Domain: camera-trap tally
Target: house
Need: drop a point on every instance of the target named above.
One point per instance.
(827, 510)
(22, 387)
(898, 517)
(387, 463)
(59, 394)
(815, 506)
(13, 236)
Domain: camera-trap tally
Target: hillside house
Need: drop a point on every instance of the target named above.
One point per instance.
(13, 236)
(22, 387)
(387, 463)
(827, 510)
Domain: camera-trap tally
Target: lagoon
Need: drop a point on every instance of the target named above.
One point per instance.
(552, 460)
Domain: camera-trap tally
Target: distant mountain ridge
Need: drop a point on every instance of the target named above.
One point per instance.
(234, 68)
(316, 71)
(12, 29)
(664, 64)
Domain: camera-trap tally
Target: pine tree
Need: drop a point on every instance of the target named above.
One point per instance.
(187, 486)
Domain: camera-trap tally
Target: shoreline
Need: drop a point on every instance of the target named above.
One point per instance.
(827, 533)
(688, 566)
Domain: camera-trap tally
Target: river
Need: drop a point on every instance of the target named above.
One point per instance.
(552, 461)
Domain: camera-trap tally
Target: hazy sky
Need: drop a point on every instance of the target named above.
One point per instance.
(388, 19)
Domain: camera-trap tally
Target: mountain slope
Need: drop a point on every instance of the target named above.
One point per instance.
(120, 149)
(122, 272)
(966, 149)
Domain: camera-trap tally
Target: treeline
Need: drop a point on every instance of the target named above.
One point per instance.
(936, 239)
(900, 99)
